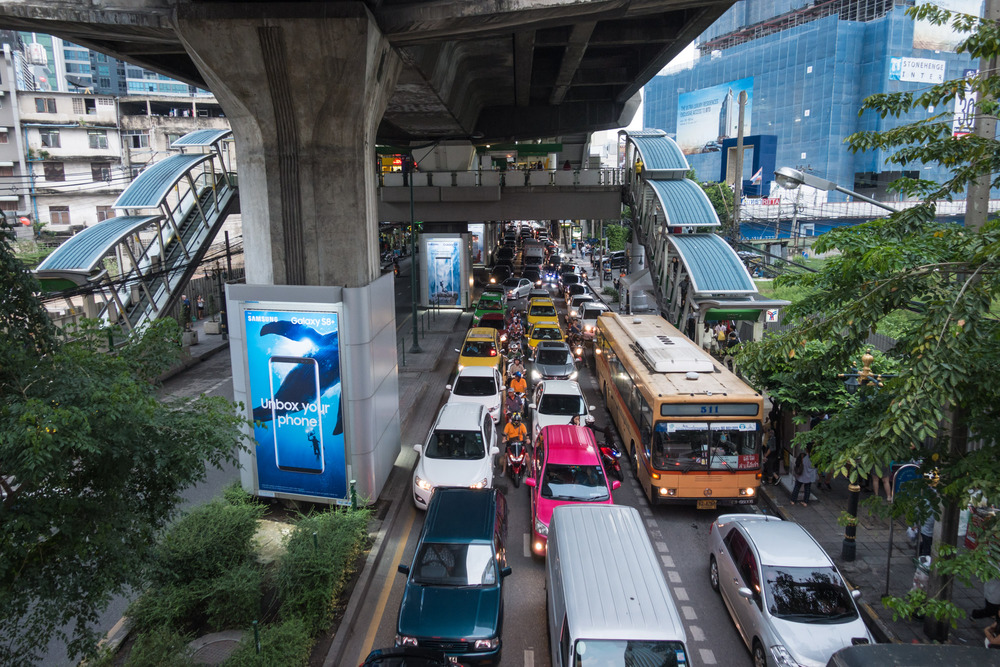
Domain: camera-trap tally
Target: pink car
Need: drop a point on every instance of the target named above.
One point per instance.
(566, 468)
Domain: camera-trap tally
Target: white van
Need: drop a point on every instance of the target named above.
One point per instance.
(607, 596)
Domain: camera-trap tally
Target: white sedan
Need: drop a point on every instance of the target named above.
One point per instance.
(478, 384)
(558, 402)
(517, 288)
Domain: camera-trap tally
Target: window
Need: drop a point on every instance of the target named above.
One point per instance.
(105, 82)
(9, 204)
(101, 171)
(6, 171)
(98, 138)
(3, 136)
(85, 105)
(104, 70)
(50, 137)
(104, 212)
(45, 104)
(76, 54)
(137, 139)
(172, 137)
(59, 215)
(54, 171)
(78, 68)
(136, 171)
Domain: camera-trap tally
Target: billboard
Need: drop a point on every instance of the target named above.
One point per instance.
(705, 117)
(943, 37)
(294, 377)
(918, 70)
(477, 232)
(963, 117)
(443, 267)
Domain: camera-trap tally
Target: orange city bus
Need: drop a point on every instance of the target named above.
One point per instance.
(691, 427)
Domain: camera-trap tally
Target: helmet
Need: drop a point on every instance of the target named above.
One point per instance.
(516, 417)
(517, 374)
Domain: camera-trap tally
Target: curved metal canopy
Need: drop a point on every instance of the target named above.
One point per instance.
(712, 264)
(153, 184)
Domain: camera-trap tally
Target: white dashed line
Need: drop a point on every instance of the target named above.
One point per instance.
(697, 634)
(674, 576)
(529, 658)
(668, 561)
(681, 594)
(707, 656)
(645, 511)
(689, 613)
(527, 545)
(662, 547)
(651, 523)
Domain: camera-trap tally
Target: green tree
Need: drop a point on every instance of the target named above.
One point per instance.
(947, 350)
(619, 236)
(721, 196)
(92, 465)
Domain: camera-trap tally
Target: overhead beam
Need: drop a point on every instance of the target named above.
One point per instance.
(578, 40)
(524, 51)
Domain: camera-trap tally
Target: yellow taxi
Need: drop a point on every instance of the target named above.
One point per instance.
(481, 348)
(541, 309)
(544, 330)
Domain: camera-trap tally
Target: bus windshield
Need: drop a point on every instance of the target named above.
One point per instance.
(683, 446)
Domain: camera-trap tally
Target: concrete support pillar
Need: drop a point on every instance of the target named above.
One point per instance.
(304, 87)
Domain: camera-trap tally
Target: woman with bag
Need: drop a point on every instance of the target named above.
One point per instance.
(805, 475)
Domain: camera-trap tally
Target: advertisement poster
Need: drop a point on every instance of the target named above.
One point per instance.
(705, 117)
(964, 116)
(444, 271)
(943, 37)
(918, 70)
(293, 361)
(477, 231)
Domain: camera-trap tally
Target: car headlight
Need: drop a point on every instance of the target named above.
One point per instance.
(481, 484)
(541, 528)
(535, 375)
(572, 376)
(423, 484)
(404, 640)
(782, 658)
(487, 644)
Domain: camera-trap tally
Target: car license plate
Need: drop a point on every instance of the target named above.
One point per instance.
(706, 504)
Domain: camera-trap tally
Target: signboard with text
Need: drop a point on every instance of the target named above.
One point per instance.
(919, 70)
(705, 117)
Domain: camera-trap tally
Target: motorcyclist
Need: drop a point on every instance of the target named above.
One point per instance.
(518, 383)
(513, 405)
(516, 366)
(573, 328)
(514, 430)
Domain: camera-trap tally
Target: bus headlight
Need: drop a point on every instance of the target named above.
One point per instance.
(749, 491)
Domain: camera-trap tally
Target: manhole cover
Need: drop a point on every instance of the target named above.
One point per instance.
(214, 649)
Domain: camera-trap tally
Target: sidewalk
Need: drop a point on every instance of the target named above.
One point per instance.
(206, 346)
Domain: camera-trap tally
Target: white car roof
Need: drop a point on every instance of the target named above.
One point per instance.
(781, 543)
(562, 387)
(460, 417)
(478, 371)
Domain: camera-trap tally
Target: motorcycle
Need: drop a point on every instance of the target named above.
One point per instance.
(610, 456)
(516, 461)
(575, 341)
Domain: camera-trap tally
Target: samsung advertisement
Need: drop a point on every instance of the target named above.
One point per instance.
(294, 377)
(705, 117)
(445, 267)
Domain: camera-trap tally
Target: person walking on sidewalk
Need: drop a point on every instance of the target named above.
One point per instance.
(771, 452)
(991, 593)
(805, 474)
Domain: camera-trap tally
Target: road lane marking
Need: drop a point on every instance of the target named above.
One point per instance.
(527, 545)
(707, 656)
(662, 547)
(386, 588)
(529, 658)
(217, 385)
(689, 613)
(697, 634)
(681, 594)
(645, 511)
(674, 576)
(667, 561)
(651, 523)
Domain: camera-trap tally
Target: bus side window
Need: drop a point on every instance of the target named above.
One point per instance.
(645, 422)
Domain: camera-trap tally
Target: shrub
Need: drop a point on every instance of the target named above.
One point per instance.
(313, 570)
(160, 648)
(287, 644)
(234, 598)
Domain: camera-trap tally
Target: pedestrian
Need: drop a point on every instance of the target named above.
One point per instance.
(567, 166)
(201, 306)
(926, 534)
(804, 474)
(991, 593)
(771, 474)
(186, 311)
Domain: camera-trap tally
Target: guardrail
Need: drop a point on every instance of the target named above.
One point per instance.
(512, 178)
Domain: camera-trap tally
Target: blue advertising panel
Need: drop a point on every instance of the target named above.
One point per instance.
(444, 271)
(477, 231)
(708, 116)
(293, 365)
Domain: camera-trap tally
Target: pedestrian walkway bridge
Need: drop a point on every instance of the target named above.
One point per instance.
(138, 262)
(688, 272)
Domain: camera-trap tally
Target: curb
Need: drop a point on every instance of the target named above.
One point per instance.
(878, 627)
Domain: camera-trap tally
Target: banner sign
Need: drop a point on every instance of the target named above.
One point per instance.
(920, 70)
(705, 117)
(293, 365)
(943, 37)
(444, 271)
(964, 116)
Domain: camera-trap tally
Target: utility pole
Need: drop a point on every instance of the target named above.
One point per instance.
(738, 180)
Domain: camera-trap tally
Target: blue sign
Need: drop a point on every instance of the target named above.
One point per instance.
(904, 474)
(293, 361)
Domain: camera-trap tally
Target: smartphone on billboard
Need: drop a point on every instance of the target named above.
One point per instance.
(298, 434)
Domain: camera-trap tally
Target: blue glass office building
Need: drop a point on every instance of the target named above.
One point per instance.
(812, 65)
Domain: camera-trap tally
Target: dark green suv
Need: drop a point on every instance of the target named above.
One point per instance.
(453, 600)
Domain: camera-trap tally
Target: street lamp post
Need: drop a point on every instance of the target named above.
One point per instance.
(853, 382)
(415, 348)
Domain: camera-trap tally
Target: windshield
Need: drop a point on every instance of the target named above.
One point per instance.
(546, 333)
(455, 445)
(490, 304)
(570, 278)
(443, 564)
(475, 386)
(568, 482)
(705, 446)
(477, 348)
(553, 357)
(562, 404)
(808, 594)
(616, 653)
(541, 310)
(511, 283)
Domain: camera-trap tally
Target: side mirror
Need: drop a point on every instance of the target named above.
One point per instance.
(494, 451)
(591, 408)
(505, 572)
(856, 594)
(403, 569)
(615, 484)
(532, 406)
(448, 387)
(589, 419)
(458, 350)
(745, 592)
(529, 481)
(419, 449)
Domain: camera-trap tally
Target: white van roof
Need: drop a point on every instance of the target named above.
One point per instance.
(612, 579)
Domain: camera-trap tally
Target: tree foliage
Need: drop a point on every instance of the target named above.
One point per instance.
(92, 465)
(945, 277)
